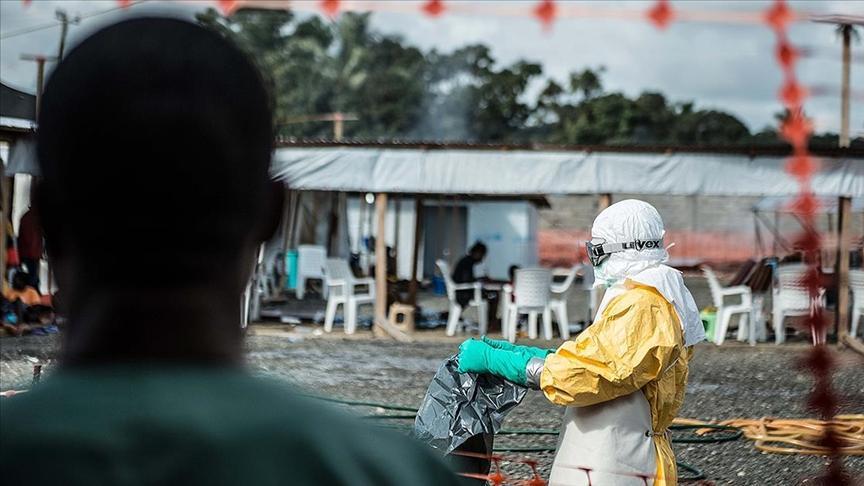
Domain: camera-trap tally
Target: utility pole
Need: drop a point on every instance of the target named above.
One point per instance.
(40, 74)
(846, 28)
(64, 20)
(846, 31)
(40, 82)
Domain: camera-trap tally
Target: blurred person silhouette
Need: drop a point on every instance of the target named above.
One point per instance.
(463, 272)
(26, 303)
(30, 245)
(155, 129)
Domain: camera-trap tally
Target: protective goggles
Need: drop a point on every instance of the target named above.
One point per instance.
(599, 251)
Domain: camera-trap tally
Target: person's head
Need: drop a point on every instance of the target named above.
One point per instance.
(154, 141)
(155, 138)
(626, 238)
(477, 251)
(511, 272)
(20, 280)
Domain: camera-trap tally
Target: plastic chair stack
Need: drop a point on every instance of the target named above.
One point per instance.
(725, 311)
(310, 264)
(532, 290)
(558, 300)
(791, 297)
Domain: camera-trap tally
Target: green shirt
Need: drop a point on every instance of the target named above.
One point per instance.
(162, 426)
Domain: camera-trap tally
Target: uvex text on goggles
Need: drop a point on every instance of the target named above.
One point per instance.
(599, 251)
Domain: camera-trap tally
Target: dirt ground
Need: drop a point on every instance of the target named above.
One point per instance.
(726, 382)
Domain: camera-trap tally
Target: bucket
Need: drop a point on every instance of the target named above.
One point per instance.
(291, 269)
(438, 285)
(709, 320)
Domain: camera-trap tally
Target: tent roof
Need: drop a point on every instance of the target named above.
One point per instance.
(532, 172)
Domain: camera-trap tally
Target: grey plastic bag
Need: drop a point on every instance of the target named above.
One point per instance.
(459, 406)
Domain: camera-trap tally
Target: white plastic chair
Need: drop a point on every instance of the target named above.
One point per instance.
(856, 284)
(310, 264)
(558, 298)
(342, 287)
(588, 286)
(725, 311)
(790, 298)
(532, 289)
(456, 309)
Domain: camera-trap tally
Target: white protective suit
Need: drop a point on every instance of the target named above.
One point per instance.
(623, 378)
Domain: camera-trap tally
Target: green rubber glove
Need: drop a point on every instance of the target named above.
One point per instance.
(508, 346)
(478, 357)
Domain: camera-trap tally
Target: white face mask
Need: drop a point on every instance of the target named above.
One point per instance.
(601, 277)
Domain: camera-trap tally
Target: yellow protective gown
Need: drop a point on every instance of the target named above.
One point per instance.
(635, 344)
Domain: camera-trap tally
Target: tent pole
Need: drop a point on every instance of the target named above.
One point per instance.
(382, 326)
(451, 235)
(380, 262)
(843, 268)
(444, 251)
(776, 232)
(332, 224)
(757, 233)
(415, 250)
(397, 211)
(775, 235)
(286, 234)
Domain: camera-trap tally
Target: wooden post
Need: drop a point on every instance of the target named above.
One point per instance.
(843, 269)
(415, 250)
(382, 326)
(397, 211)
(333, 225)
(453, 257)
(603, 202)
(380, 263)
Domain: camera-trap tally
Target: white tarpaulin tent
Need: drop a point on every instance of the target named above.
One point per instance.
(520, 172)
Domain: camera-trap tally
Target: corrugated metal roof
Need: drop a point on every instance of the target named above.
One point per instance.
(752, 151)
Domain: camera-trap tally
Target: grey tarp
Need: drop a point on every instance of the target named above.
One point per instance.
(521, 172)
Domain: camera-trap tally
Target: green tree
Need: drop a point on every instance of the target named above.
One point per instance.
(317, 67)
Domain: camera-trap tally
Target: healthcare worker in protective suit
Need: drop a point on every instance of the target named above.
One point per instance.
(622, 380)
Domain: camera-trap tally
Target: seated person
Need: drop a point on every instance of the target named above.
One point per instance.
(463, 272)
(9, 322)
(26, 302)
(21, 291)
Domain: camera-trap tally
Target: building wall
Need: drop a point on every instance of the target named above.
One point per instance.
(718, 229)
(509, 230)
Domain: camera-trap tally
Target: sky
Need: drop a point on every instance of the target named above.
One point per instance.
(718, 66)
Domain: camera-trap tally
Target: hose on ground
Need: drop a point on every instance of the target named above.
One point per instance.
(719, 433)
(794, 436)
